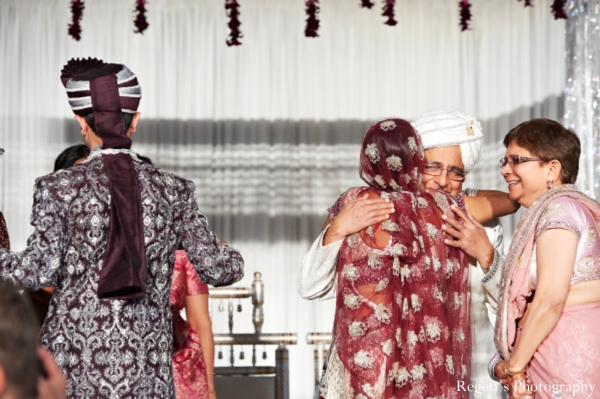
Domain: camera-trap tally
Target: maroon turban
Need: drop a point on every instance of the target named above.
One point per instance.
(108, 91)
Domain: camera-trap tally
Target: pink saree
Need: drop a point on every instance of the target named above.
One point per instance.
(567, 363)
(189, 369)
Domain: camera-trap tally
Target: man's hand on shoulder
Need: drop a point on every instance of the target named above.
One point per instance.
(470, 236)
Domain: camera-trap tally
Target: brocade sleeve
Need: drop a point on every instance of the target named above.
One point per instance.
(37, 265)
(216, 264)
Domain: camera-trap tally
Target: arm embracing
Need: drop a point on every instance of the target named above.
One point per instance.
(36, 266)
(490, 204)
(216, 264)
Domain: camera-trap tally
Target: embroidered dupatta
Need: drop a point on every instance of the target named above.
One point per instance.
(514, 289)
(409, 336)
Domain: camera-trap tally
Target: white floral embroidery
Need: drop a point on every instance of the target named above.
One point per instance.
(449, 365)
(422, 334)
(381, 285)
(357, 329)
(400, 375)
(372, 152)
(457, 301)
(351, 272)
(397, 250)
(385, 194)
(387, 125)
(396, 267)
(364, 359)
(404, 308)
(422, 203)
(416, 302)
(399, 337)
(394, 163)
(369, 390)
(460, 335)
(431, 230)
(390, 226)
(412, 145)
(404, 273)
(413, 227)
(412, 339)
(370, 232)
(464, 371)
(374, 261)
(399, 299)
(353, 240)
(433, 332)
(386, 347)
(383, 314)
(436, 264)
(421, 243)
(449, 268)
(394, 185)
(417, 373)
(379, 180)
(416, 246)
(361, 396)
(437, 294)
(352, 301)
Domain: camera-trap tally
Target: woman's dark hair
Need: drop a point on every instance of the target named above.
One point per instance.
(67, 158)
(89, 118)
(549, 140)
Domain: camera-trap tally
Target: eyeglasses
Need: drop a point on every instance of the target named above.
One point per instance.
(513, 160)
(436, 169)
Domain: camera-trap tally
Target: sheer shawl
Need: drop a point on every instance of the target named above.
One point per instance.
(402, 314)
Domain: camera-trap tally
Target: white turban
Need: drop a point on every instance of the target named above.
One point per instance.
(443, 129)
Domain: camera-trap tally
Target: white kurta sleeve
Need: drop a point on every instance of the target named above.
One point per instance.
(317, 276)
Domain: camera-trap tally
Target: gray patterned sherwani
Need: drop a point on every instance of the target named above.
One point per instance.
(113, 348)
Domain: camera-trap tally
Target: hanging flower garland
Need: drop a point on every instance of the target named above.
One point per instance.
(388, 11)
(465, 14)
(528, 3)
(231, 7)
(366, 3)
(77, 7)
(312, 23)
(140, 22)
(558, 9)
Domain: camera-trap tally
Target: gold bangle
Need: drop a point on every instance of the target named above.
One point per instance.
(210, 373)
(211, 391)
(511, 372)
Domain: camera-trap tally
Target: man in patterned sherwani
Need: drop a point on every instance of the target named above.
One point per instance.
(106, 231)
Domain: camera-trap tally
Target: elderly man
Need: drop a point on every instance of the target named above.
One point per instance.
(452, 143)
(106, 231)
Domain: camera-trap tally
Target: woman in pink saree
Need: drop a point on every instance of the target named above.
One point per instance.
(548, 326)
(193, 343)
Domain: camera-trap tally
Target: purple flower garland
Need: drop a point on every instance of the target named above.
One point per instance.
(140, 22)
(312, 23)
(77, 7)
(231, 7)
(388, 11)
(465, 14)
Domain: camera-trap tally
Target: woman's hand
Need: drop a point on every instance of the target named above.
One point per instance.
(519, 386)
(356, 215)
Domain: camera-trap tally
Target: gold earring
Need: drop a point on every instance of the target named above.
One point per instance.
(550, 181)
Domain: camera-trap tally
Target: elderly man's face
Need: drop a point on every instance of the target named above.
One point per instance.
(450, 159)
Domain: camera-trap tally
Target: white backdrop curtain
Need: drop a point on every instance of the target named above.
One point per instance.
(270, 131)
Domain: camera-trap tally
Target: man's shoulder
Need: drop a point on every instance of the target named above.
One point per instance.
(159, 176)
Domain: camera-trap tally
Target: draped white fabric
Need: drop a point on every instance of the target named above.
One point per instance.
(270, 131)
